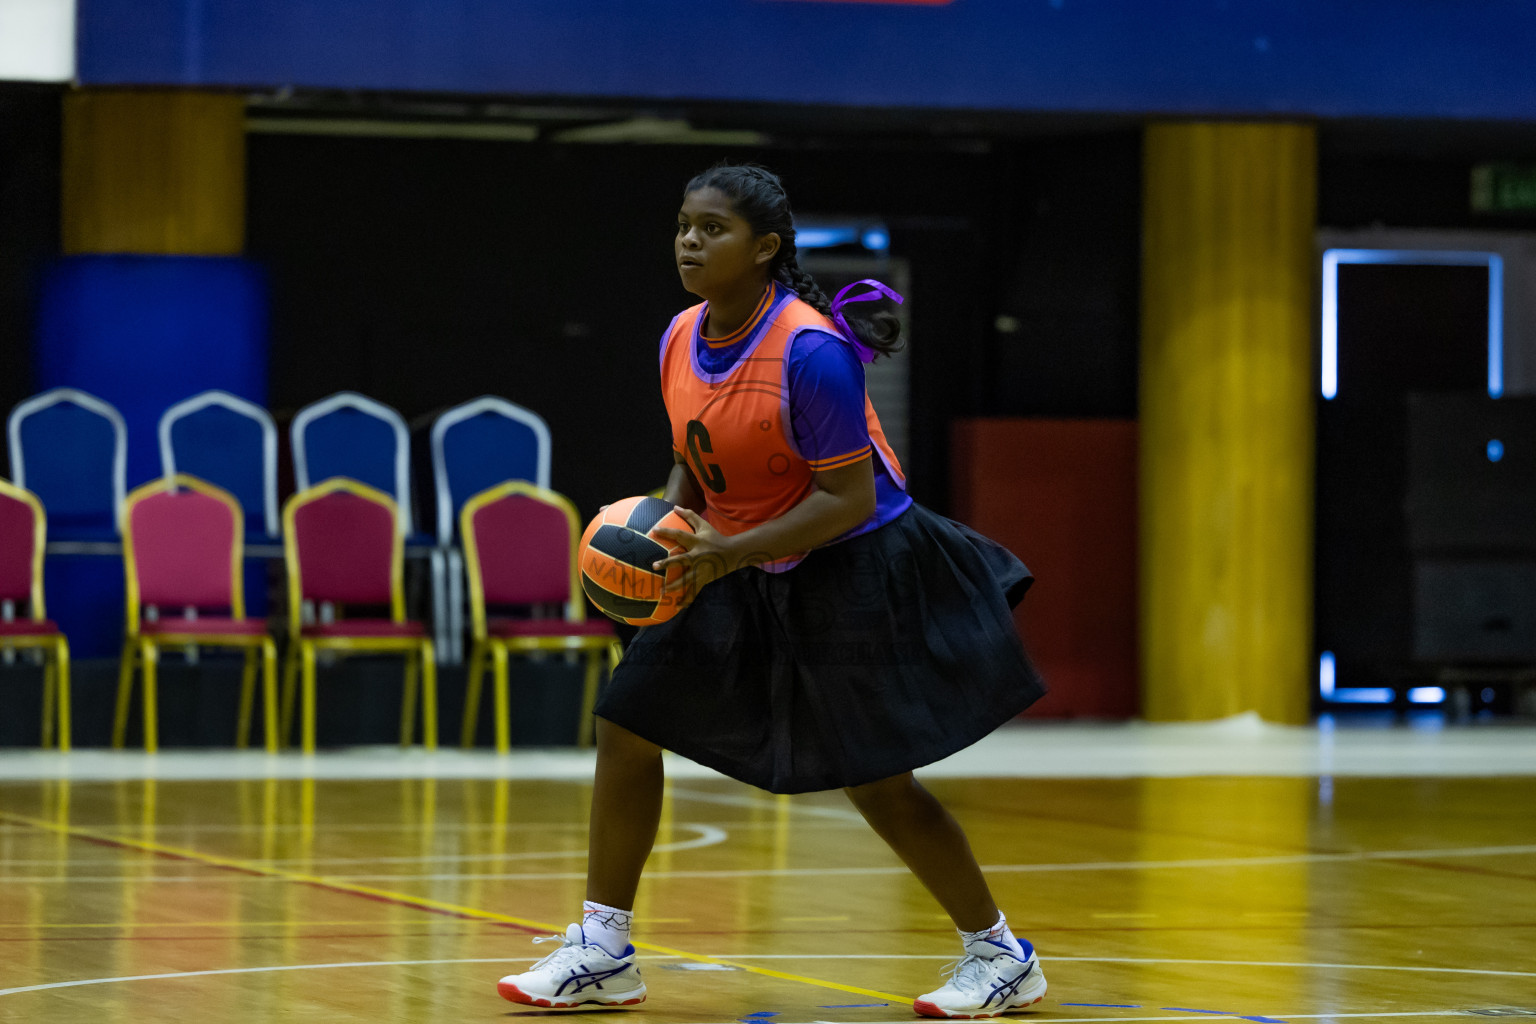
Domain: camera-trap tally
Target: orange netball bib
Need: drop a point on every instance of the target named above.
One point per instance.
(733, 428)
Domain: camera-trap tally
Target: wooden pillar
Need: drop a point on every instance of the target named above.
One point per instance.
(153, 173)
(1227, 420)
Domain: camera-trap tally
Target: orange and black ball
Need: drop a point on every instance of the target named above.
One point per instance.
(616, 554)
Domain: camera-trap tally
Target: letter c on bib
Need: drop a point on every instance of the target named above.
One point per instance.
(698, 445)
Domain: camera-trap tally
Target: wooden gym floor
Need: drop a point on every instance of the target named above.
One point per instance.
(1300, 897)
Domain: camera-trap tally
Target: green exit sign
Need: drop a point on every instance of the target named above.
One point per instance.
(1504, 188)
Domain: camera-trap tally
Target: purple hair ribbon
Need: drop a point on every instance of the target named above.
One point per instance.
(879, 291)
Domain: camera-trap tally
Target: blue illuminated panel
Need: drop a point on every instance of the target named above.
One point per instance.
(1412, 257)
(1330, 691)
(819, 234)
(1362, 695)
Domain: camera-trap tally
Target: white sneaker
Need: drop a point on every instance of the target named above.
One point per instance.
(985, 986)
(578, 972)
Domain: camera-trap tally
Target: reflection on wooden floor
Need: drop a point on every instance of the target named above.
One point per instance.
(403, 901)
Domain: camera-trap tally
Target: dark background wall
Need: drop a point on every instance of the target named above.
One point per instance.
(424, 273)
(428, 271)
(29, 223)
(1415, 174)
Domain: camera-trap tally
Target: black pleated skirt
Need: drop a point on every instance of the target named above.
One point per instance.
(872, 657)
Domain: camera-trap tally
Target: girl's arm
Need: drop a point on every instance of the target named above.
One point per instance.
(682, 489)
(841, 499)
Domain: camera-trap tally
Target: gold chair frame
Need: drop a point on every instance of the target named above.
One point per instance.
(53, 646)
(302, 649)
(143, 651)
(499, 649)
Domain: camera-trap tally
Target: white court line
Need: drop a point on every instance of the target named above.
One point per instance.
(1125, 865)
(708, 835)
(756, 803)
(1138, 960)
(1112, 865)
(409, 827)
(844, 956)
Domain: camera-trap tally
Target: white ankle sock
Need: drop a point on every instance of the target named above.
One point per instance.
(606, 926)
(985, 942)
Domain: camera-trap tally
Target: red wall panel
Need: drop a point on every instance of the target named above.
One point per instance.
(1061, 494)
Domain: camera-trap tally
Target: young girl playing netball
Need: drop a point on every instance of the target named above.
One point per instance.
(840, 635)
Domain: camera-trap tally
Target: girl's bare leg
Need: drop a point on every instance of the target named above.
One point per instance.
(626, 809)
(928, 838)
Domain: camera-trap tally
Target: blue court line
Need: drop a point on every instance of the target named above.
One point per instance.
(1114, 1006)
(1224, 1013)
(1185, 1009)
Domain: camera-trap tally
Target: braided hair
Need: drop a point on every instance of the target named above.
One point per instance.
(758, 197)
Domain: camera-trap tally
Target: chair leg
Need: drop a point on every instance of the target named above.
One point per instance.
(472, 695)
(456, 604)
(428, 697)
(124, 693)
(438, 564)
(49, 683)
(586, 729)
(269, 694)
(290, 688)
(61, 680)
(150, 654)
(503, 699)
(307, 659)
(408, 700)
(247, 694)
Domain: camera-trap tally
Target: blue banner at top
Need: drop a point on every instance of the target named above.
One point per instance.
(1310, 58)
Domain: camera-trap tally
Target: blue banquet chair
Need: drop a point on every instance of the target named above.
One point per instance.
(230, 442)
(70, 449)
(353, 436)
(477, 445)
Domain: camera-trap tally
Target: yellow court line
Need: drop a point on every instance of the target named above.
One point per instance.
(420, 902)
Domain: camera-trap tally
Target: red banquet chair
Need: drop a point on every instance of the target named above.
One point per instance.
(183, 541)
(23, 534)
(343, 547)
(520, 551)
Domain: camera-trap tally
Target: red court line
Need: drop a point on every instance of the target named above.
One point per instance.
(163, 854)
(1466, 869)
